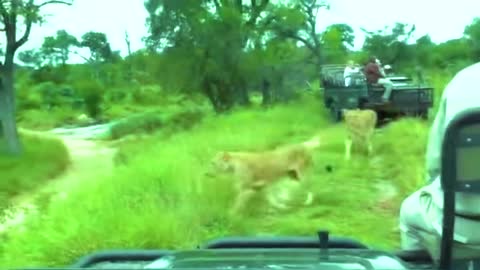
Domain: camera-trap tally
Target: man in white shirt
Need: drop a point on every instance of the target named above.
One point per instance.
(350, 69)
(421, 213)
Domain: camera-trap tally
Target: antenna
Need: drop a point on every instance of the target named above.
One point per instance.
(323, 237)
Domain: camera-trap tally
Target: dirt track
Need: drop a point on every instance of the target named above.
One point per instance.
(86, 156)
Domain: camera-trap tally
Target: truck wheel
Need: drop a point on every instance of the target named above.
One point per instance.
(335, 113)
(423, 114)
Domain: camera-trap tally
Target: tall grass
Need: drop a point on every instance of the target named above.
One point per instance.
(161, 198)
(151, 121)
(43, 159)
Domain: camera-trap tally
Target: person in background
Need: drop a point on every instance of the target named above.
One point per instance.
(350, 69)
(421, 213)
(375, 74)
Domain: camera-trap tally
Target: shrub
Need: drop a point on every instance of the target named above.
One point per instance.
(43, 159)
(140, 123)
(149, 122)
(92, 92)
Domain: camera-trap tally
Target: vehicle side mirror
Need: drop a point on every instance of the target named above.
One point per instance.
(460, 172)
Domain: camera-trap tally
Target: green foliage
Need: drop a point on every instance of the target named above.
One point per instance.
(49, 73)
(48, 92)
(390, 44)
(43, 119)
(223, 69)
(224, 53)
(472, 33)
(153, 121)
(281, 47)
(141, 123)
(28, 99)
(92, 93)
(56, 49)
(174, 189)
(337, 41)
(31, 58)
(98, 45)
(43, 159)
(146, 95)
(45, 95)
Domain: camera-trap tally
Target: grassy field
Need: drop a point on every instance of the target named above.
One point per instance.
(160, 197)
(44, 158)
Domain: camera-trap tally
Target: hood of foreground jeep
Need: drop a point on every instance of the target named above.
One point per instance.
(279, 259)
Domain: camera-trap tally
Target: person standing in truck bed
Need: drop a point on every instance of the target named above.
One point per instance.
(374, 74)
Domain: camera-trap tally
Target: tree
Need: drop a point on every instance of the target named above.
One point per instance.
(98, 45)
(12, 13)
(127, 41)
(100, 54)
(347, 35)
(187, 30)
(57, 48)
(472, 33)
(424, 51)
(31, 58)
(299, 22)
(452, 52)
(337, 40)
(390, 44)
(48, 50)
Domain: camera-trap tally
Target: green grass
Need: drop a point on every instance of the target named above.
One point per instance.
(161, 198)
(43, 158)
(152, 121)
(38, 119)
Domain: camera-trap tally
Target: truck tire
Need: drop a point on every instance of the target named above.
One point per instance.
(423, 114)
(335, 113)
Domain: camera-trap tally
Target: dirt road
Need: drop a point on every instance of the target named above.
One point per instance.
(86, 156)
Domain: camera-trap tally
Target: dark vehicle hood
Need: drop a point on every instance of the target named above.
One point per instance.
(279, 259)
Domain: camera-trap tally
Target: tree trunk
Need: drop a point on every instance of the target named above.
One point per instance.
(8, 130)
(241, 92)
(266, 94)
(244, 97)
(207, 90)
(225, 95)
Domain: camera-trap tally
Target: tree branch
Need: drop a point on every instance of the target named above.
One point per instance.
(31, 7)
(28, 22)
(217, 5)
(4, 14)
(89, 60)
(303, 40)
(54, 2)
(256, 10)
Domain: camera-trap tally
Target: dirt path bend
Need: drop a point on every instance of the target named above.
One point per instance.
(86, 156)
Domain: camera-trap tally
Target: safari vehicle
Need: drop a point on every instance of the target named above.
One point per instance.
(462, 142)
(407, 97)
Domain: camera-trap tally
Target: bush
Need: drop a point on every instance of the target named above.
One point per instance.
(57, 75)
(170, 186)
(44, 158)
(45, 120)
(146, 94)
(92, 92)
(140, 123)
(28, 99)
(49, 91)
(150, 122)
(116, 94)
(184, 119)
